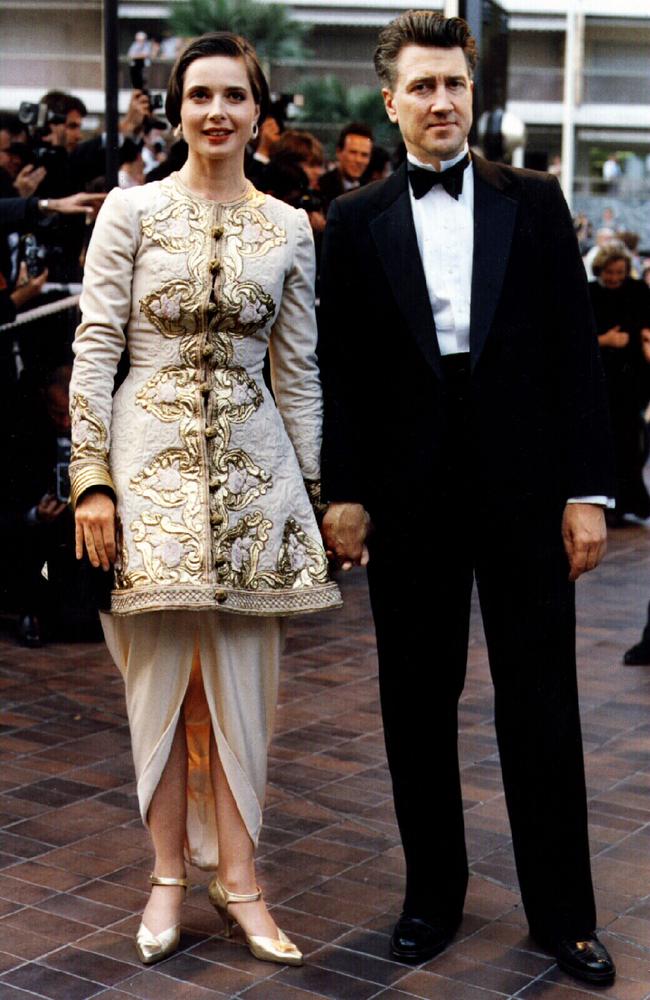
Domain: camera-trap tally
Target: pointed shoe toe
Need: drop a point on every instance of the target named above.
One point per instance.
(153, 948)
(280, 949)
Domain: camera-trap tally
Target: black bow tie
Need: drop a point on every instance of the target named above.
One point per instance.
(451, 179)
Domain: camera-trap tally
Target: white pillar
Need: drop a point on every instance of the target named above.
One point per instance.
(572, 73)
(451, 8)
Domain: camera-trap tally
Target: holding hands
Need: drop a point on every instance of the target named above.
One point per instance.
(345, 529)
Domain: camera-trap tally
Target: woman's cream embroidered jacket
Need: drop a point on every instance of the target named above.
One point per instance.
(208, 474)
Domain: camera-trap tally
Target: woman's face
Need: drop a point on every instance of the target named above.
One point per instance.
(218, 109)
(314, 171)
(613, 274)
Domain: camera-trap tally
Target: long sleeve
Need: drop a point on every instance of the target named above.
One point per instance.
(292, 353)
(99, 342)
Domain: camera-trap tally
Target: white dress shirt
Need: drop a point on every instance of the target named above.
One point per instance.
(444, 228)
(445, 233)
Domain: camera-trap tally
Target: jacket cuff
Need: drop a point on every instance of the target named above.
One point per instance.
(89, 477)
(314, 493)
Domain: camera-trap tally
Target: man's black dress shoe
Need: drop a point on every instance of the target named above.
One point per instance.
(637, 656)
(587, 960)
(29, 631)
(417, 940)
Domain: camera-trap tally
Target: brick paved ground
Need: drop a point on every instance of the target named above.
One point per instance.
(74, 859)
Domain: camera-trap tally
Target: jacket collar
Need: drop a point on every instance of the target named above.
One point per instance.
(393, 231)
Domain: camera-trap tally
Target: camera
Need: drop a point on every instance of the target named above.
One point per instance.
(34, 255)
(138, 82)
(62, 470)
(38, 116)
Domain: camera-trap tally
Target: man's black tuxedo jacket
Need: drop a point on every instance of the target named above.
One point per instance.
(539, 421)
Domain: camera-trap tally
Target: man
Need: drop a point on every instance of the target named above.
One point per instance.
(464, 414)
(353, 151)
(73, 110)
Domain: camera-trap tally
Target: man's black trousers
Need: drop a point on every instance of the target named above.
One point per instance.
(422, 566)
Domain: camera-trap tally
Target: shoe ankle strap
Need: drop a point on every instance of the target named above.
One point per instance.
(164, 880)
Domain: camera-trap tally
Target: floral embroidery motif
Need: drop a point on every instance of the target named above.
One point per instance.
(88, 433)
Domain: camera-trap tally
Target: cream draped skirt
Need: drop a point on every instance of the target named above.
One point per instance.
(221, 671)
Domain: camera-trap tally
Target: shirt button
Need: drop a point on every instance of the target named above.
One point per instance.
(207, 351)
(220, 596)
(215, 266)
(217, 232)
(211, 431)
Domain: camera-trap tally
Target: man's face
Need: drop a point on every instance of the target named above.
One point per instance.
(5, 142)
(73, 121)
(431, 101)
(355, 156)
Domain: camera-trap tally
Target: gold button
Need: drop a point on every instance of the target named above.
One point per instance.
(211, 431)
(220, 596)
(215, 266)
(216, 517)
(217, 232)
(204, 387)
(214, 484)
(207, 351)
(212, 307)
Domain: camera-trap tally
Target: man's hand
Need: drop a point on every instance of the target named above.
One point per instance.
(49, 509)
(137, 111)
(27, 288)
(95, 528)
(345, 529)
(29, 179)
(585, 537)
(77, 204)
(614, 337)
(645, 342)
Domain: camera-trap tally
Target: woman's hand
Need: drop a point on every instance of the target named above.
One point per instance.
(614, 338)
(95, 529)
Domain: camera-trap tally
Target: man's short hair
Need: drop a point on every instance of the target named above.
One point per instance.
(354, 128)
(61, 103)
(421, 27)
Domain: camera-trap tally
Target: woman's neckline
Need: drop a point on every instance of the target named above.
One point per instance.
(244, 196)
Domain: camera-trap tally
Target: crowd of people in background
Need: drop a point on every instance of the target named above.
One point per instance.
(51, 186)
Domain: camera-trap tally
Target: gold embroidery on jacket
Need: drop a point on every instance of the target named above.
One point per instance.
(88, 434)
(207, 394)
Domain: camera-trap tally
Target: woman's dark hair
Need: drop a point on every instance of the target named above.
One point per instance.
(421, 27)
(217, 43)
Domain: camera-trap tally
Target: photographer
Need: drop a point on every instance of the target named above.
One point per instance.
(88, 160)
(35, 518)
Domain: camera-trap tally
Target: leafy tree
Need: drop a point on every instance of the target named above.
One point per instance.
(328, 101)
(269, 27)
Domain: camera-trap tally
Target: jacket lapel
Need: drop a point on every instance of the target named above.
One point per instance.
(494, 220)
(394, 235)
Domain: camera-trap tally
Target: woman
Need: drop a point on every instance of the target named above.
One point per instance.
(622, 311)
(216, 538)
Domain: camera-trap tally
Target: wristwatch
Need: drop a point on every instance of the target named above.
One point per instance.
(44, 204)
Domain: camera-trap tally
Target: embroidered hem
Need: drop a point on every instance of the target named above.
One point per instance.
(305, 600)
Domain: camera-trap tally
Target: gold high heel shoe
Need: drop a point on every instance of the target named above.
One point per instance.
(151, 947)
(279, 949)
